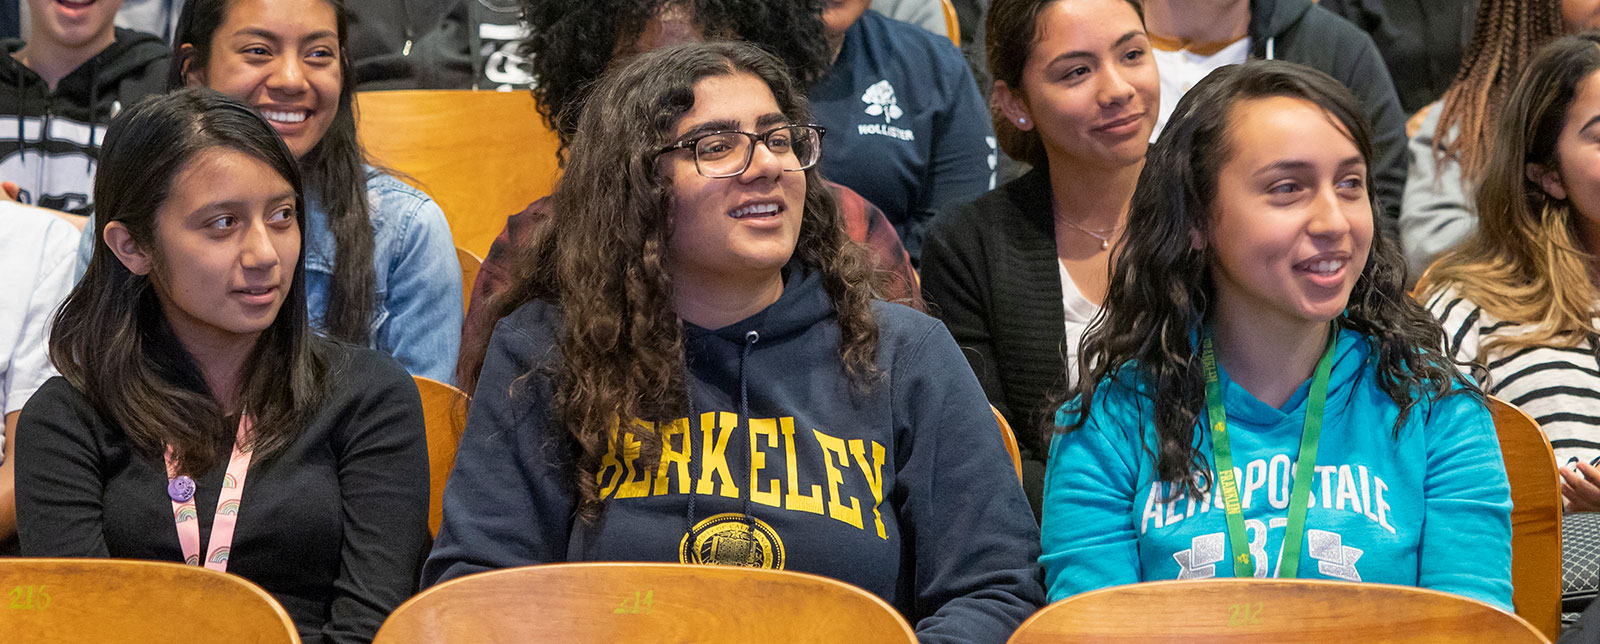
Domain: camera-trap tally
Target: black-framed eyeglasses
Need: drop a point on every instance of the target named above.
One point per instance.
(724, 154)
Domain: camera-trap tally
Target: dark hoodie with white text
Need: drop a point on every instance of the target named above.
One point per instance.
(50, 141)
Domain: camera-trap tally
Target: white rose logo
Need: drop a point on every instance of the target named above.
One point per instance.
(880, 101)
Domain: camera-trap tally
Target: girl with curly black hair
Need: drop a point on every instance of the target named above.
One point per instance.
(1260, 397)
(699, 291)
(571, 44)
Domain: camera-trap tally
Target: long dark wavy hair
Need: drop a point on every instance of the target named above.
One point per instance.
(1011, 32)
(111, 339)
(571, 44)
(335, 170)
(1527, 263)
(603, 259)
(1161, 286)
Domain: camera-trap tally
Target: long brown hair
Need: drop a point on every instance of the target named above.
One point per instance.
(1526, 264)
(1505, 37)
(334, 169)
(111, 339)
(602, 256)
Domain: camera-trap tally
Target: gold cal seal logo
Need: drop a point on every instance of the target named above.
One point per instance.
(726, 540)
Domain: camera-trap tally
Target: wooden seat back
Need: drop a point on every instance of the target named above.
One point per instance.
(470, 263)
(444, 414)
(1279, 611)
(1535, 517)
(952, 22)
(645, 602)
(481, 155)
(1010, 437)
(117, 601)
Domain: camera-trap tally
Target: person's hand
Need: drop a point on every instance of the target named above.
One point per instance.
(11, 190)
(1581, 487)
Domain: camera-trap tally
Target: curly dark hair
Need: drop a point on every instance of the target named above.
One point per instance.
(1161, 287)
(571, 44)
(603, 261)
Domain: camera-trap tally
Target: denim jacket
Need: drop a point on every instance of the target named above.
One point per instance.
(417, 310)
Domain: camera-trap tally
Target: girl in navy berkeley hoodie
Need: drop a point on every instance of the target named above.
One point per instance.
(701, 288)
(1263, 400)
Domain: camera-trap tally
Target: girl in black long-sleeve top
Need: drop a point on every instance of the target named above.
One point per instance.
(198, 419)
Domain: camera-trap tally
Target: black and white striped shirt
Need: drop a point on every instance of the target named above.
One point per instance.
(1558, 386)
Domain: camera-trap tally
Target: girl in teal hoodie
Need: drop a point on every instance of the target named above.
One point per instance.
(1263, 399)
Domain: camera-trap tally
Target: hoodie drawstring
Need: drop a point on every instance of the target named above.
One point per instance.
(94, 113)
(750, 340)
(22, 132)
(688, 445)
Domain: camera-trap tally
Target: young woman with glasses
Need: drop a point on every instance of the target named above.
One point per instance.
(700, 288)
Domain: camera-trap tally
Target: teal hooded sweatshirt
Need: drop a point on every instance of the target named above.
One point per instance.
(1430, 507)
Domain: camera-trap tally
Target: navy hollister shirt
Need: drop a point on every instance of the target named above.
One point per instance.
(907, 127)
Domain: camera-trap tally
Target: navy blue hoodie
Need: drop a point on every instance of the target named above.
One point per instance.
(905, 490)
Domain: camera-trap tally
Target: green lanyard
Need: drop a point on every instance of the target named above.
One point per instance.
(1289, 561)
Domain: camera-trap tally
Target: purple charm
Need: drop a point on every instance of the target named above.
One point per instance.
(181, 489)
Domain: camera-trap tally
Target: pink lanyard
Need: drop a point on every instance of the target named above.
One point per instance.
(180, 488)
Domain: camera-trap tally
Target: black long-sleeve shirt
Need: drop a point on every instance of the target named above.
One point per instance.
(333, 526)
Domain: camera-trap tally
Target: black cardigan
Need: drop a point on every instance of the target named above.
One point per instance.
(989, 271)
(334, 525)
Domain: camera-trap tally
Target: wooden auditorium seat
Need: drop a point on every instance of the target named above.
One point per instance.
(1276, 611)
(126, 601)
(1010, 438)
(645, 602)
(444, 414)
(1535, 517)
(481, 155)
(470, 263)
(952, 22)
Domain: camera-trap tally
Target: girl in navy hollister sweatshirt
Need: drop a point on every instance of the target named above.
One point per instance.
(700, 287)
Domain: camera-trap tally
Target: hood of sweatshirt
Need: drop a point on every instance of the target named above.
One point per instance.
(99, 80)
(1270, 18)
(804, 302)
(1351, 353)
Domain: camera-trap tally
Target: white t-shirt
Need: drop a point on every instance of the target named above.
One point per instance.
(1181, 69)
(1080, 311)
(38, 259)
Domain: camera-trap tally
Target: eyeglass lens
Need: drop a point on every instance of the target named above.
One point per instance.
(728, 153)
